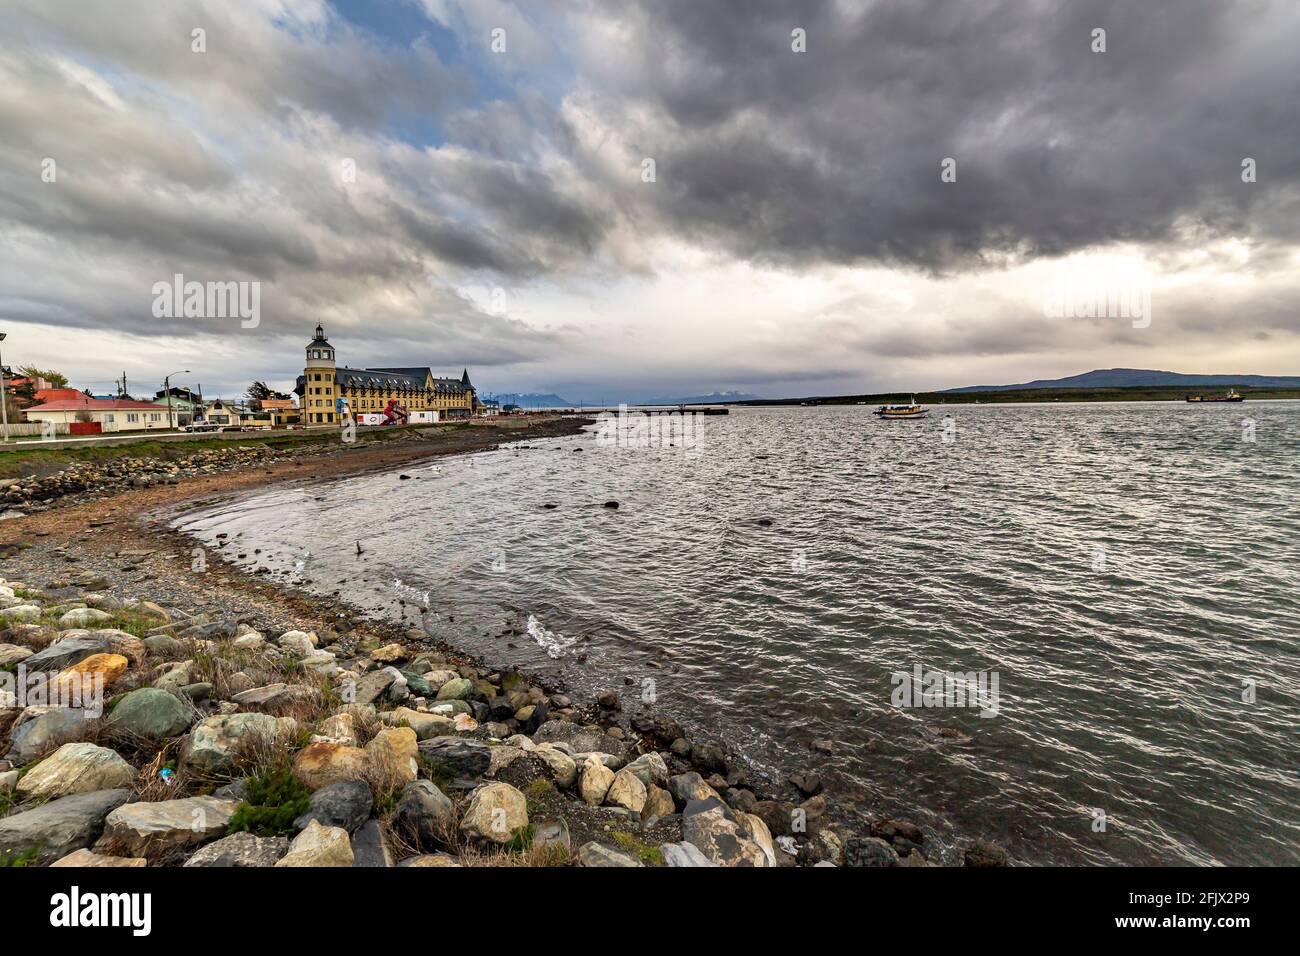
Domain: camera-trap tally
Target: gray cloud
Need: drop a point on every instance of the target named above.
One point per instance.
(834, 154)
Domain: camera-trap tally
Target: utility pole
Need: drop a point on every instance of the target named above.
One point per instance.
(167, 386)
(4, 394)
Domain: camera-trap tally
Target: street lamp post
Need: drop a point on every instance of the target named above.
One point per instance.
(4, 394)
(167, 387)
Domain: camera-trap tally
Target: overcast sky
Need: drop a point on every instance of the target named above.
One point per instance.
(797, 236)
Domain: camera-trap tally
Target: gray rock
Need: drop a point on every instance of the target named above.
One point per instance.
(11, 654)
(602, 854)
(168, 824)
(67, 652)
(151, 713)
(76, 768)
(198, 691)
(650, 769)
(163, 645)
(550, 832)
(662, 728)
(604, 759)
(83, 617)
(44, 729)
(60, 826)
(214, 742)
(777, 814)
(458, 756)
(20, 612)
(374, 685)
(209, 632)
(869, 852)
(450, 708)
(346, 804)
(684, 854)
(457, 688)
(494, 814)
(983, 853)
(177, 677)
(739, 799)
(719, 834)
(579, 738)
(709, 757)
(425, 814)
(686, 787)
(809, 784)
(235, 790)
(369, 848)
(901, 834)
(241, 850)
(275, 698)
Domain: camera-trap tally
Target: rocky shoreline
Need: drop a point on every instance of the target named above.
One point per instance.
(243, 725)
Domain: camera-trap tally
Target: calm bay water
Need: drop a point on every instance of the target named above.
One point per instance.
(1129, 571)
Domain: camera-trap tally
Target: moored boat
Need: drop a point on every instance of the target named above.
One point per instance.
(912, 410)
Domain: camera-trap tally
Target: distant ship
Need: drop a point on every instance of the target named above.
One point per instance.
(1232, 395)
(901, 411)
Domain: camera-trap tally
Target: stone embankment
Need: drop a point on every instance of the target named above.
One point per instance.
(214, 744)
(32, 492)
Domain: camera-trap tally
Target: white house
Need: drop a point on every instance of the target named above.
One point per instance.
(112, 414)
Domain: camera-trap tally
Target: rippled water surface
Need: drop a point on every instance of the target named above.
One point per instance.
(1128, 571)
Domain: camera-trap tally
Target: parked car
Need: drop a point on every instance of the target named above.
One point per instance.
(204, 427)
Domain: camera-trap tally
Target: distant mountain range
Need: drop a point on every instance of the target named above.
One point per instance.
(1142, 377)
(713, 398)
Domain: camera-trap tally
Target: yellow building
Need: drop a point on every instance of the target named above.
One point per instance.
(327, 393)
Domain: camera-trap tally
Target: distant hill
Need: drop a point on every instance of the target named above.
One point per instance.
(714, 398)
(532, 399)
(1141, 377)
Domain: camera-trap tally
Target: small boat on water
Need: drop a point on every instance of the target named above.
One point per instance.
(1232, 395)
(901, 411)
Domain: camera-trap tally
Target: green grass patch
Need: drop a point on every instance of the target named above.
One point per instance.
(537, 789)
(521, 839)
(26, 858)
(272, 801)
(649, 855)
(137, 625)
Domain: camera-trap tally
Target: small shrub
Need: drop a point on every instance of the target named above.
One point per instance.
(521, 839)
(273, 800)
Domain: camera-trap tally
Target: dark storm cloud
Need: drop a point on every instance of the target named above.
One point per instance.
(834, 154)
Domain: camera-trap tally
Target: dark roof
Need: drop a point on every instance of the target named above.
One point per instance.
(414, 371)
(410, 377)
(377, 378)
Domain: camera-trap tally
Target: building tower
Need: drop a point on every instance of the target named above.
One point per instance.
(319, 390)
